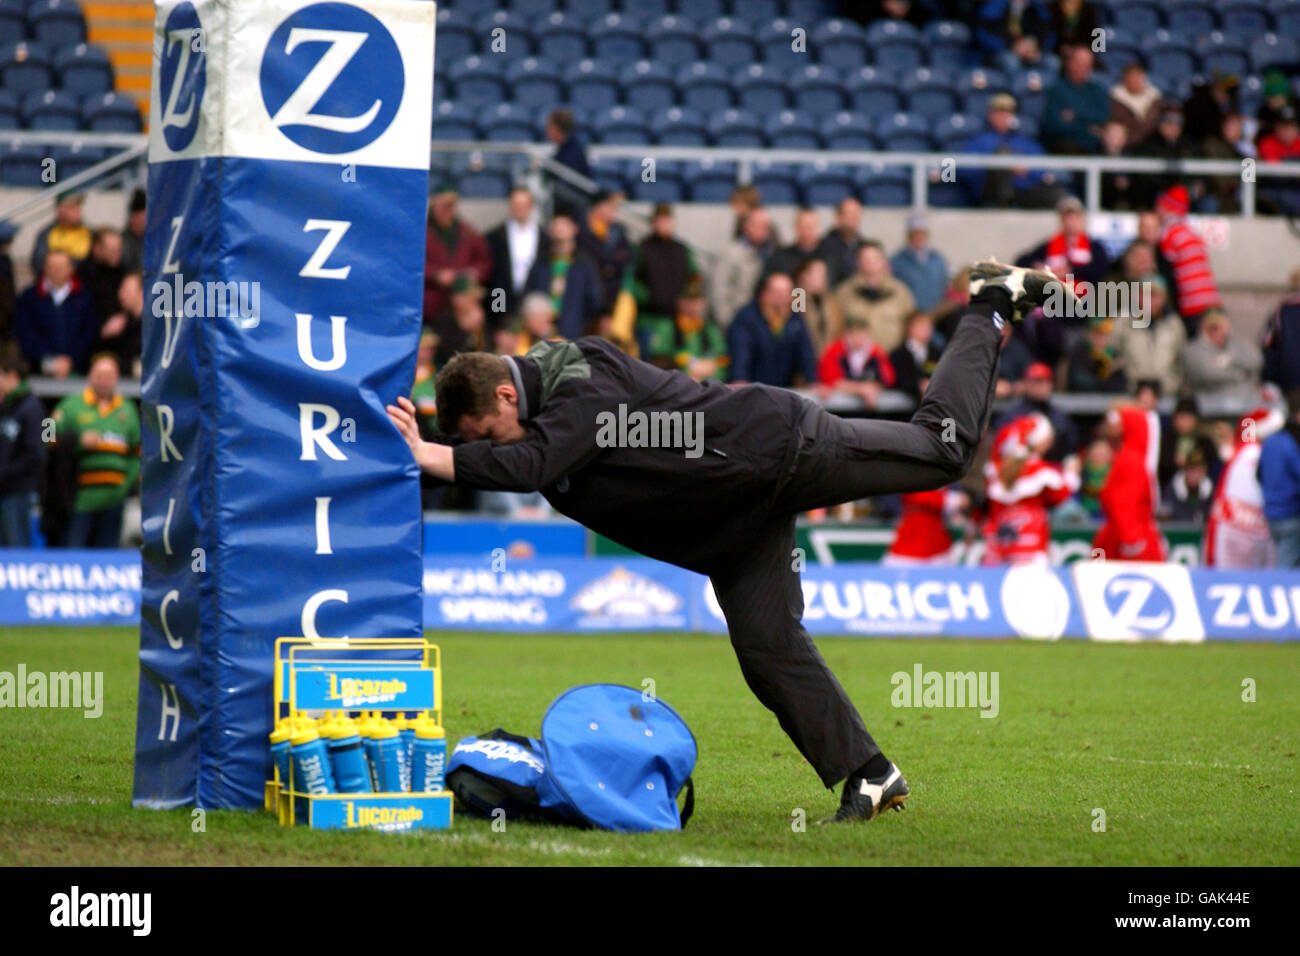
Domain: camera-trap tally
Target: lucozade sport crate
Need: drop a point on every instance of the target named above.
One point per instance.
(371, 679)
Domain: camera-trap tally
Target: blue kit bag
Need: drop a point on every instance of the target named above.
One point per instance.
(608, 758)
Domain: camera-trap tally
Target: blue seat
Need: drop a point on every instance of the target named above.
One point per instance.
(881, 185)
(534, 82)
(951, 194)
(22, 166)
(953, 131)
(51, 110)
(532, 8)
(1243, 17)
(481, 175)
(10, 115)
(1286, 18)
(608, 173)
(778, 183)
(703, 10)
(1027, 126)
(808, 11)
(1137, 17)
(651, 8)
(456, 37)
(946, 41)
(680, 126)
(617, 37)
(1250, 95)
(1273, 49)
(1121, 49)
(589, 9)
(1169, 55)
(896, 46)
(1223, 54)
(673, 40)
(592, 84)
(25, 68)
(792, 129)
(978, 86)
(776, 41)
(816, 89)
(710, 180)
(757, 11)
(1030, 89)
(560, 37)
(507, 123)
(760, 88)
(83, 68)
(847, 130)
(74, 159)
(666, 186)
(620, 125)
(873, 92)
(504, 34)
(730, 42)
(737, 128)
(838, 43)
(478, 80)
(929, 93)
(903, 132)
(110, 113)
(648, 86)
(455, 120)
(825, 184)
(56, 23)
(705, 87)
(470, 9)
(1194, 17)
(13, 25)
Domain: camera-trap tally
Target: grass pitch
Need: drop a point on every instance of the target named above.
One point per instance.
(1157, 737)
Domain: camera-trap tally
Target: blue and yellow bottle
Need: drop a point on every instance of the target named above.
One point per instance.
(429, 760)
(390, 756)
(348, 757)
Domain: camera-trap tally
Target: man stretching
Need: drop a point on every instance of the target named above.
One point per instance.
(726, 507)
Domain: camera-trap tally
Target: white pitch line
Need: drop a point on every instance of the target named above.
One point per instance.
(560, 848)
(1169, 763)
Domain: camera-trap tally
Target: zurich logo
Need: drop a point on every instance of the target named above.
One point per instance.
(1139, 604)
(332, 78)
(182, 76)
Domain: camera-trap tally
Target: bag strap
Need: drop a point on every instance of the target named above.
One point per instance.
(689, 807)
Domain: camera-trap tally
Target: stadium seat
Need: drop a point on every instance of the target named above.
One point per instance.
(25, 68)
(1169, 55)
(504, 33)
(760, 88)
(873, 92)
(56, 23)
(673, 40)
(679, 126)
(648, 86)
(609, 174)
(83, 68)
(895, 46)
(903, 132)
(481, 175)
(1250, 95)
(978, 86)
(881, 185)
(729, 42)
(1273, 49)
(617, 38)
(74, 159)
(1030, 90)
(825, 184)
(809, 11)
(533, 8)
(837, 43)
(947, 42)
(929, 93)
(1137, 18)
(592, 84)
(21, 166)
(453, 120)
(703, 10)
(507, 123)
(620, 125)
(534, 82)
(666, 186)
(470, 9)
(478, 80)
(757, 11)
(52, 110)
(1286, 18)
(456, 37)
(561, 38)
(705, 87)
(650, 8)
(952, 194)
(817, 90)
(1026, 126)
(1121, 49)
(792, 129)
(952, 131)
(776, 41)
(778, 183)
(847, 130)
(589, 9)
(1246, 18)
(1193, 17)
(736, 128)
(13, 25)
(10, 116)
(1220, 53)
(110, 113)
(710, 180)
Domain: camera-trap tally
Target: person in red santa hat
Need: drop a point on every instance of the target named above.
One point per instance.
(1022, 489)
(922, 535)
(1183, 246)
(1129, 497)
(1236, 534)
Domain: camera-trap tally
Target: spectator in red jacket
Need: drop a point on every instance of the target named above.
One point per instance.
(1022, 490)
(1283, 143)
(922, 535)
(1183, 246)
(1129, 497)
(452, 249)
(854, 363)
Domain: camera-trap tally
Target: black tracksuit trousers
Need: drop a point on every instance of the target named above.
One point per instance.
(842, 460)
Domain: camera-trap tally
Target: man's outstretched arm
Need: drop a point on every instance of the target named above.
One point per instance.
(430, 456)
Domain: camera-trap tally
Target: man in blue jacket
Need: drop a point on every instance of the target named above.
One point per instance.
(768, 342)
(54, 320)
(22, 453)
(1279, 477)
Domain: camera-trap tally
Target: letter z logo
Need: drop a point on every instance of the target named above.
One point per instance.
(332, 78)
(182, 77)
